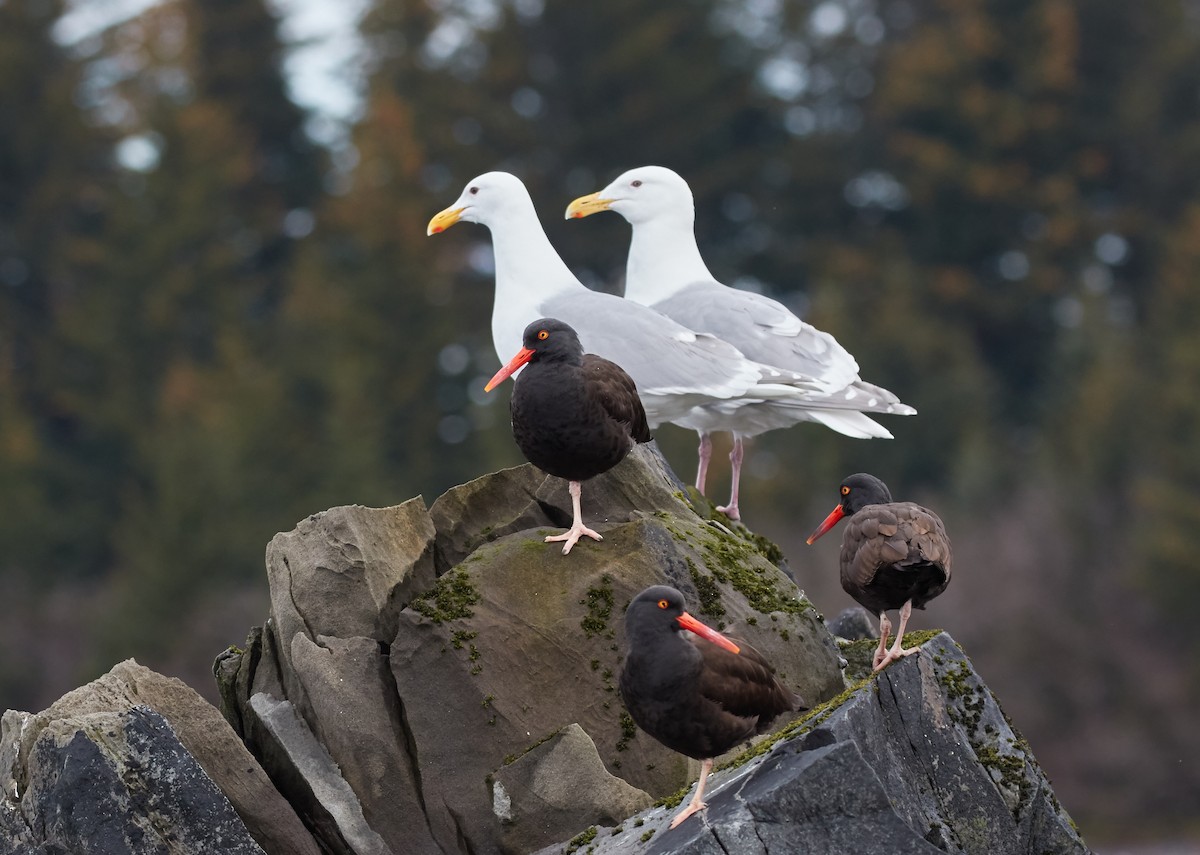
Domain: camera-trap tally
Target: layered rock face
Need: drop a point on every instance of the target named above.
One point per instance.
(442, 681)
(136, 762)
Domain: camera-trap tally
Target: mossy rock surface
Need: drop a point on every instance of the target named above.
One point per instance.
(515, 641)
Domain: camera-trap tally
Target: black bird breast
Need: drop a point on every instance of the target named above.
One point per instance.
(576, 421)
(894, 553)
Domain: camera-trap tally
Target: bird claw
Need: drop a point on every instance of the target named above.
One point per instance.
(730, 511)
(894, 655)
(686, 812)
(571, 536)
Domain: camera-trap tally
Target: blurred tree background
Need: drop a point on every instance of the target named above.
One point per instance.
(212, 326)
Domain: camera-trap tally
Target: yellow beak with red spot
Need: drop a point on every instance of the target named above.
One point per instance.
(444, 220)
(587, 205)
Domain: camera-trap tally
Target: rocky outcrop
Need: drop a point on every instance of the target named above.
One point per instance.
(447, 705)
(443, 681)
(919, 759)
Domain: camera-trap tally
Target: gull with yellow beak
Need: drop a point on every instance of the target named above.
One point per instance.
(676, 370)
(665, 272)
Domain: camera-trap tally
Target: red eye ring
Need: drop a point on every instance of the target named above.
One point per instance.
(543, 335)
(662, 604)
(845, 491)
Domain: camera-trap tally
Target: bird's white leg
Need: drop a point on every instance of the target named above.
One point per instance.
(697, 802)
(735, 459)
(885, 629)
(898, 651)
(577, 529)
(705, 454)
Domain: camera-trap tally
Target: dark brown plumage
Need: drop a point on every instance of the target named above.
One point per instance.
(700, 696)
(895, 555)
(574, 414)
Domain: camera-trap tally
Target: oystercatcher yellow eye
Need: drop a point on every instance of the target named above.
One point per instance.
(662, 604)
(543, 335)
(845, 491)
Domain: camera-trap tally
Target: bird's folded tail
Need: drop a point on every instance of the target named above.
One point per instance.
(850, 423)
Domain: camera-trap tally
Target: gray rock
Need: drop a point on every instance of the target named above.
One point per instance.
(525, 640)
(359, 721)
(312, 781)
(525, 498)
(562, 777)
(488, 508)
(119, 783)
(346, 573)
(641, 483)
(826, 800)
(918, 760)
(853, 624)
(200, 729)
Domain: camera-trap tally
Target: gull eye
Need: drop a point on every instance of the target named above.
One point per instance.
(845, 491)
(662, 604)
(637, 182)
(543, 335)
(474, 190)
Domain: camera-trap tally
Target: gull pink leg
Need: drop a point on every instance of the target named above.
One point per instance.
(705, 454)
(735, 458)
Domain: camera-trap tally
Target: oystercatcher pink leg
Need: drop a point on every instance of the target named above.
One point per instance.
(898, 651)
(885, 629)
(577, 529)
(697, 802)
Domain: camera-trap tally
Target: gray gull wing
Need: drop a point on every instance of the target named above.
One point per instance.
(763, 329)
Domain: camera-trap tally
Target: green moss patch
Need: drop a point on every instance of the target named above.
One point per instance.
(708, 591)
(628, 731)
(580, 840)
(450, 598)
(599, 602)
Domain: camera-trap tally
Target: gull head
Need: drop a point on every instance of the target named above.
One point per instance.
(487, 199)
(640, 195)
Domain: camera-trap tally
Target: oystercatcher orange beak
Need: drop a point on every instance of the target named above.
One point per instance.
(830, 521)
(706, 632)
(523, 356)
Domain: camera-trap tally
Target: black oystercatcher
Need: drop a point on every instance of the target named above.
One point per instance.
(667, 273)
(698, 696)
(895, 555)
(574, 414)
